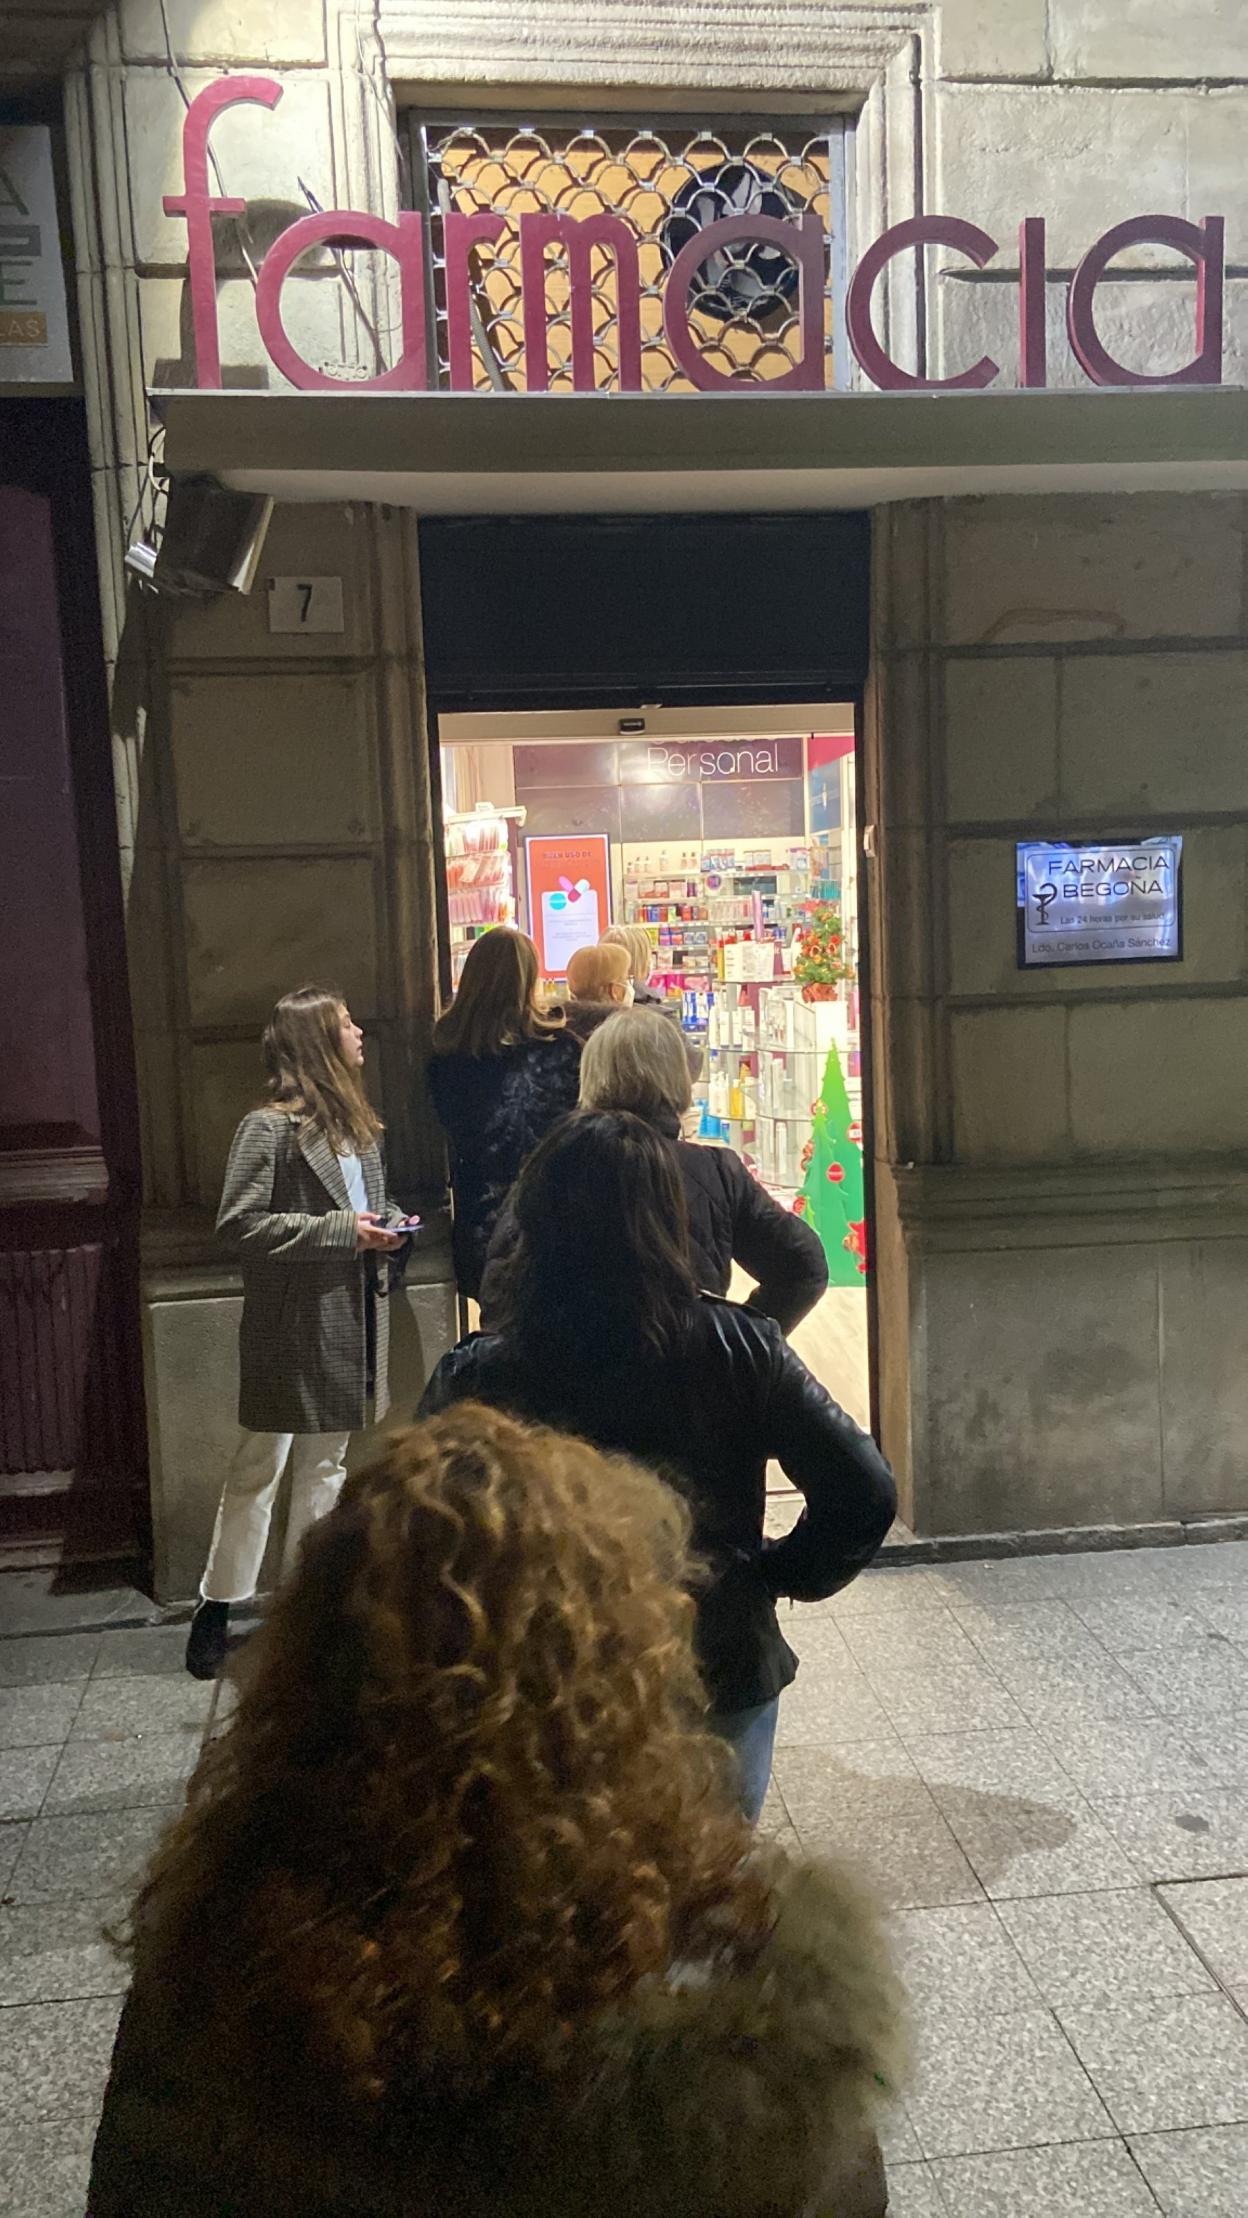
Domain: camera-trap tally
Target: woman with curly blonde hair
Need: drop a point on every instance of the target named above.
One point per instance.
(460, 1920)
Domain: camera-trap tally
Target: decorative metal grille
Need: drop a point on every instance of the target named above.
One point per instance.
(665, 185)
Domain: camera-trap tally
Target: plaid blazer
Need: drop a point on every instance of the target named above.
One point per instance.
(303, 1344)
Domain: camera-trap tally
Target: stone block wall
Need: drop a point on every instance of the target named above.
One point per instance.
(1039, 664)
(1065, 1203)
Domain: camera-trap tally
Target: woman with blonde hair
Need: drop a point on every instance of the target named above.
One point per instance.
(459, 1921)
(503, 1070)
(639, 947)
(304, 1208)
(636, 1062)
(637, 944)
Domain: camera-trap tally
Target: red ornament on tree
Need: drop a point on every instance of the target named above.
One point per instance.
(836, 1174)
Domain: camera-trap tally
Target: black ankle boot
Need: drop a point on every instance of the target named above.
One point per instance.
(208, 1639)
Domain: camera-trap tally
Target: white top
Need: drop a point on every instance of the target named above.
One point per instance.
(353, 1173)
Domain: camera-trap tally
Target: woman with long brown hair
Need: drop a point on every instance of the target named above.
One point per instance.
(304, 1208)
(459, 1921)
(503, 1070)
(599, 1328)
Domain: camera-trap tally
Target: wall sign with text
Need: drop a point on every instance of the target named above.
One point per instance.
(1119, 901)
(34, 318)
(800, 240)
(708, 762)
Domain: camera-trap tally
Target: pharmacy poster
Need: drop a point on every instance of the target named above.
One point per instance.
(34, 320)
(1116, 902)
(569, 887)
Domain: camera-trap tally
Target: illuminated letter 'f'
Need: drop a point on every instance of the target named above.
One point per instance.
(197, 204)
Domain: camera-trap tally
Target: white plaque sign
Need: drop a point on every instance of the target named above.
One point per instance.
(1117, 901)
(306, 605)
(34, 319)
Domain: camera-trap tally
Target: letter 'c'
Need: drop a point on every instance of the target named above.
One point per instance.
(951, 231)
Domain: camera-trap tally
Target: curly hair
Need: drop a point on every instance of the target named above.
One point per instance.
(466, 1799)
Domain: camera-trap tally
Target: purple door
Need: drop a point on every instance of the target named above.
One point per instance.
(72, 1481)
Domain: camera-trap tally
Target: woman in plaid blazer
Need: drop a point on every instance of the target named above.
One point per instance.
(304, 1207)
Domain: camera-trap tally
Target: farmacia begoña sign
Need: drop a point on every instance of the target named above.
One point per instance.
(801, 239)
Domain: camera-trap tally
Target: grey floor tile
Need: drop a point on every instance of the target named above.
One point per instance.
(38, 1716)
(54, 2058)
(117, 1707)
(1052, 1689)
(13, 1840)
(25, 1774)
(881, 1645)
(848, 1766)
(1165, 2063)
(959, 1699)
(905, 1587)
(901, 1847)
(57, 1952)
(1192, 1682)
(1002, 2083)
(898, 2139)
(1223, 1564)
(30, 1661)
(1047, 1630)
(1180, 1836)
(834, 1703)
(1030, 1847)
(913, 2193)
(1086, 2179)
(1015, 1762)
(1149, 1621)
(1125, 1756)
(101, 1854)
(1087, 1950)
(1226, 1612)
(145, 1651)
(44, 2169)
(1214, 1912)
(41, 1602)
(1196, 2175)
(121, 1774)
(1221, 1743)
(1003, 1579)
(960, 1961)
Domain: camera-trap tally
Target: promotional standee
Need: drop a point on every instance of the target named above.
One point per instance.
(569, 888)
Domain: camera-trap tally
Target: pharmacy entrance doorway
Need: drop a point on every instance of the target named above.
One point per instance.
(727, 838)
(653, 720)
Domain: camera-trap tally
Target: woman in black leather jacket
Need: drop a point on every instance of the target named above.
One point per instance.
(635, 1062)
(604, 1334)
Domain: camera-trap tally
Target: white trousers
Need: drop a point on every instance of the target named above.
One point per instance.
(318, 1466)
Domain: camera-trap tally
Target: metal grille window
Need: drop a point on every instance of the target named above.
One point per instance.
(560, 308)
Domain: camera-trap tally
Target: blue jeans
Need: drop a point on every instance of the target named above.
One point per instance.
(751, 1735)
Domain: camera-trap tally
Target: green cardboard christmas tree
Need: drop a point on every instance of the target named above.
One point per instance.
(832, 1195)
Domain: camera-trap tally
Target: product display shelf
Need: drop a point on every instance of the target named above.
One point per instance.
(482, 874)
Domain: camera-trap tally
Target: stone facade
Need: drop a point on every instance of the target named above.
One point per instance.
(1062, 1219)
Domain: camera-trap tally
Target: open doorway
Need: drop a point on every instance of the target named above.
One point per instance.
(728, 834)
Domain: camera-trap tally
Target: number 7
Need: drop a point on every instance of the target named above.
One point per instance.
(305, 592)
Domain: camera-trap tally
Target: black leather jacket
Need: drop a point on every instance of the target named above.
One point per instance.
(709, 1417)
(732, 1219)
(494, 1109)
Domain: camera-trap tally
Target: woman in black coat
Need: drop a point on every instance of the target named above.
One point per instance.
(636, 1062)
(503, 1070)
(604, 1334)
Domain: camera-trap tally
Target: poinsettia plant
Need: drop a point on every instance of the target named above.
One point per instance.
(821, 959)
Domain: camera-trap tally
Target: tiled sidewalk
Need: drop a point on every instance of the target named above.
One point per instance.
(1042, 1765)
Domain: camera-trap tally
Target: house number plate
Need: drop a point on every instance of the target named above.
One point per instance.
(306, 605)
